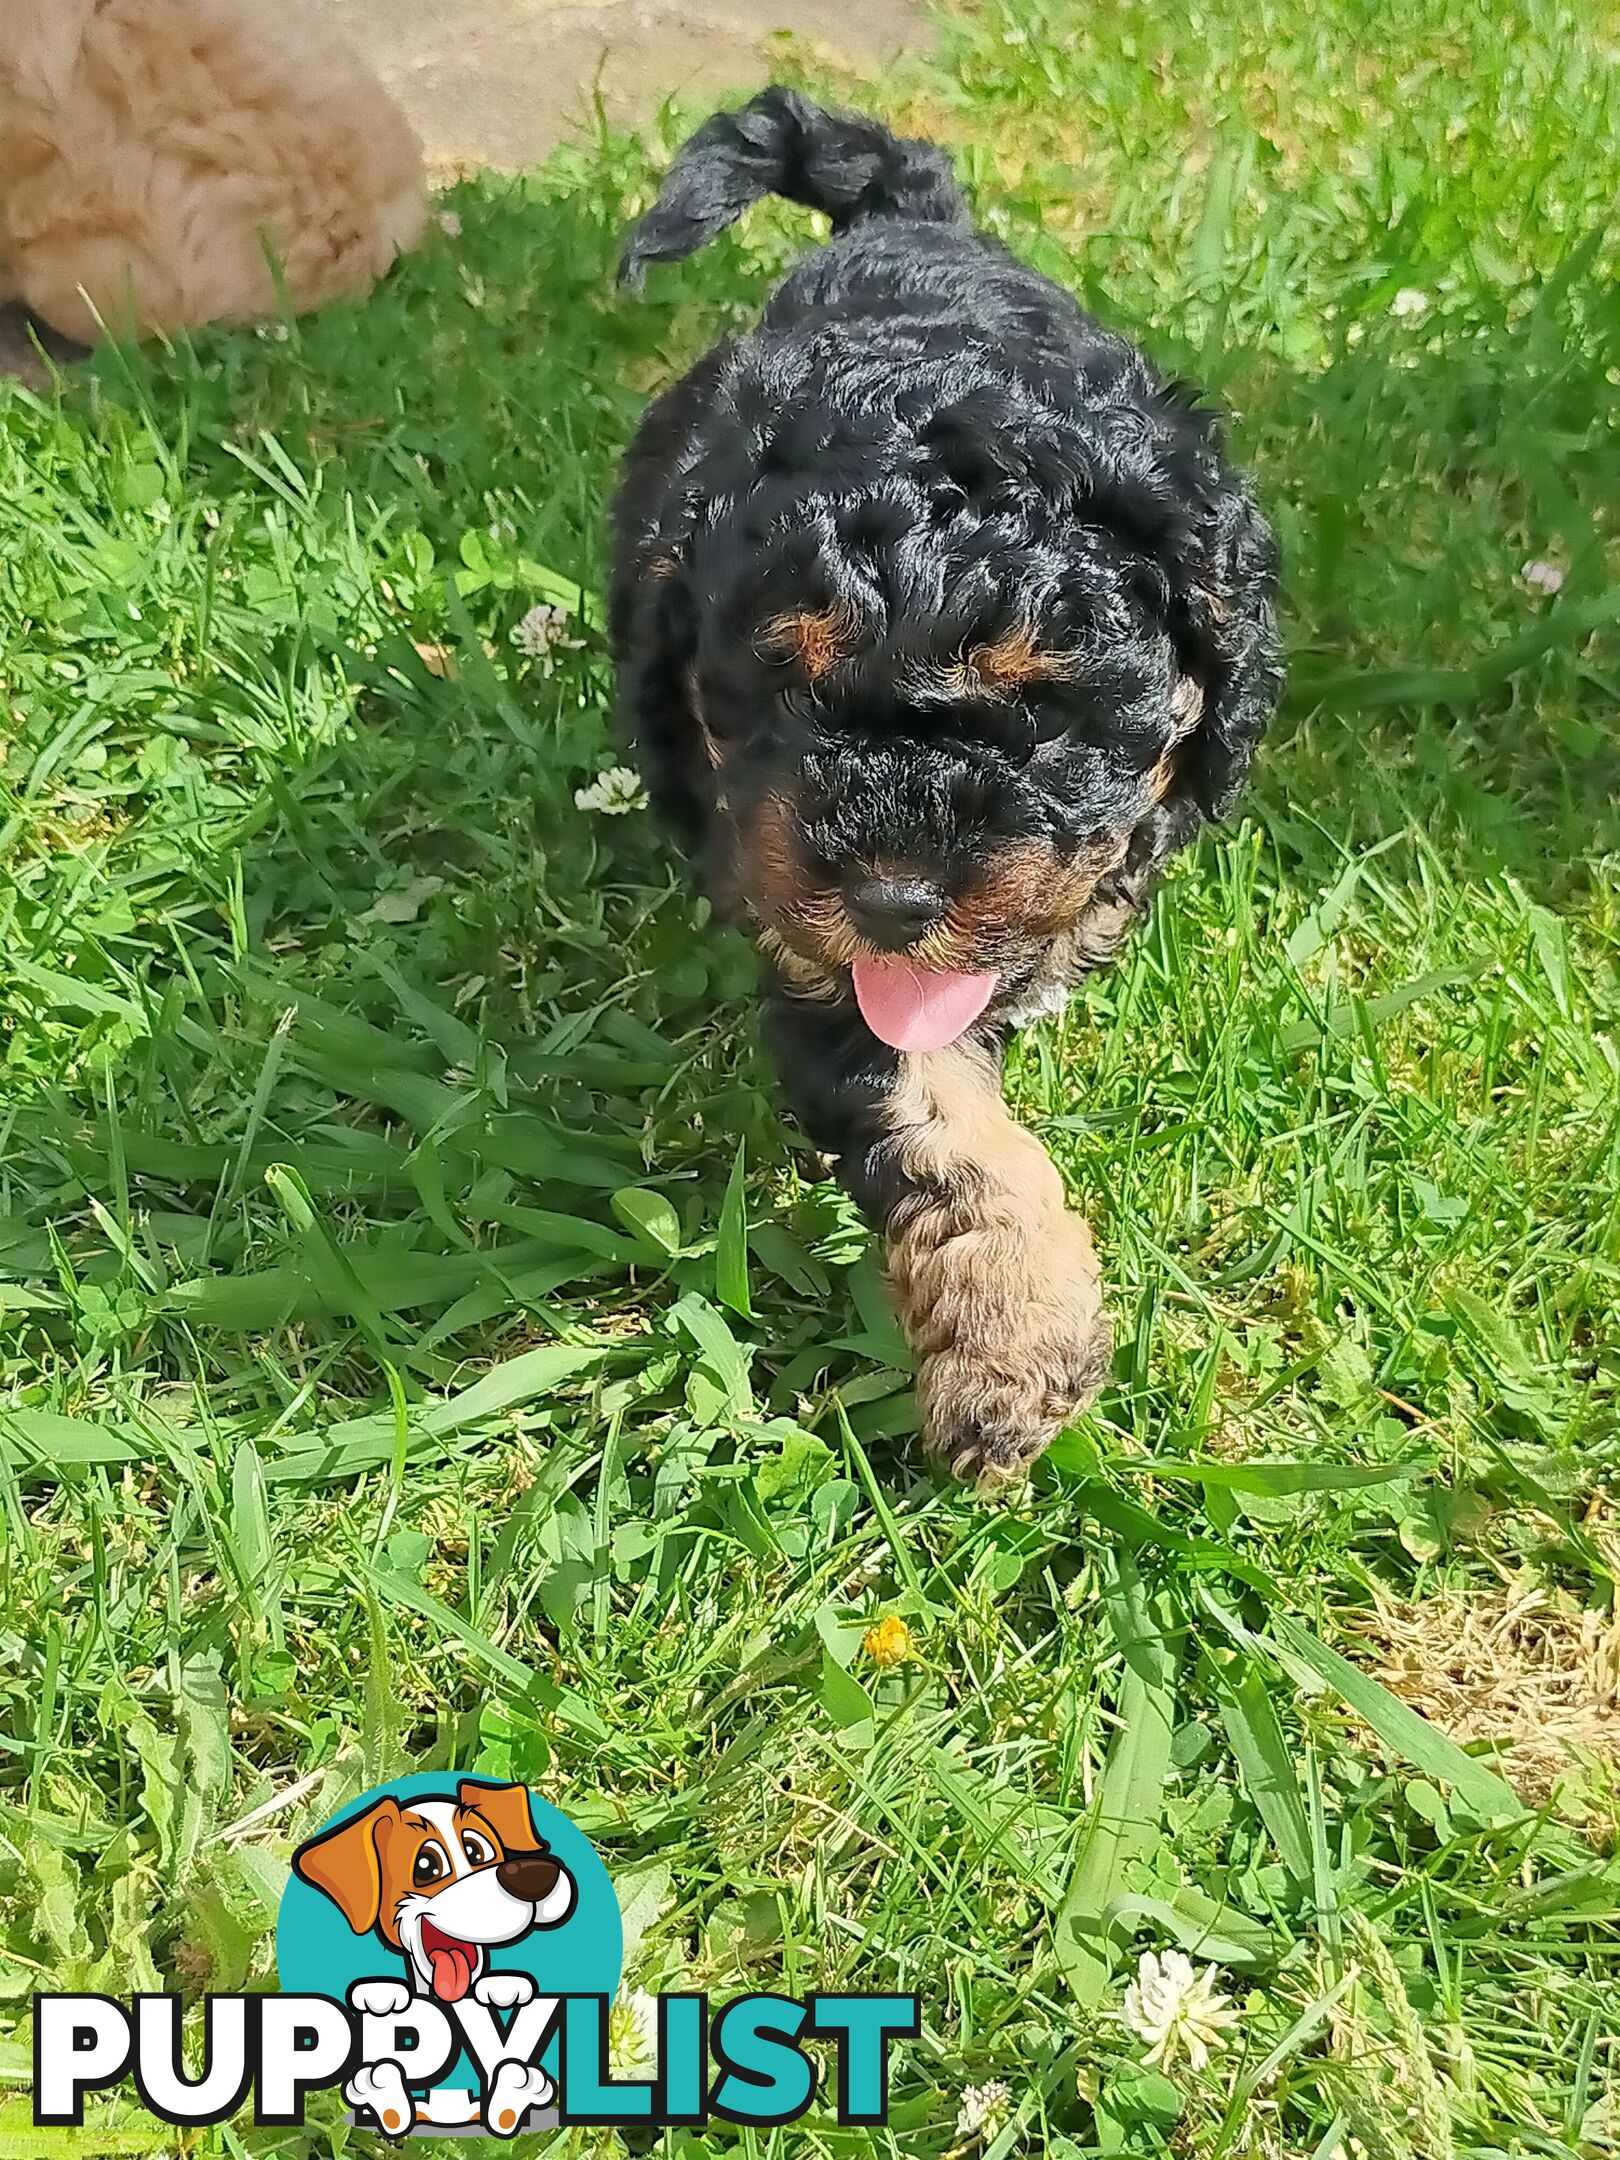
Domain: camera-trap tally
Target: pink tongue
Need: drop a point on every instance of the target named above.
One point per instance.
(911, 1007)
(452, 1972)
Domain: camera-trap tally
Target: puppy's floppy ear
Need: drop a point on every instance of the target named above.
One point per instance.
(506, 1809)
(1224, 615)
(1159, 479)
(346, 1866)
(657, 642)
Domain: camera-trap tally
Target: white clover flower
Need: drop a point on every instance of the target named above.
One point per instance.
(613, 793)
(984, 2110)
(449, 224)
(1176, 2007)
(543, 631)
(1408, 304)
(632, 2035)
(1542, 577)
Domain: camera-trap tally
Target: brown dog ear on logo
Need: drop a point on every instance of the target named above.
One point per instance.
(345, 1864)
(506, 1809)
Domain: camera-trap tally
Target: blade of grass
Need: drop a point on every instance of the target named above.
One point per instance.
(1487, 1797)
(1126, 1823)
(1265, 1762)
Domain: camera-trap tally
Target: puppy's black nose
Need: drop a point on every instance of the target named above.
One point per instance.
(528, 1875)
(893, 912)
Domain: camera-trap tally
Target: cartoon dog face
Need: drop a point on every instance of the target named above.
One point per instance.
(441, 1879)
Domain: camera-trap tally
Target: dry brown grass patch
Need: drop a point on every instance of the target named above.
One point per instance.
(1522, 1668)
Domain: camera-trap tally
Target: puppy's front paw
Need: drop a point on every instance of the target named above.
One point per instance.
(990, 1406)
(379, 1998)
(996, 1281)
(1011, 1339)
(504, 1990)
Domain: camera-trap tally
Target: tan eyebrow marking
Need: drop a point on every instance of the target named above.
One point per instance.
(818, 638)
(1010, 662)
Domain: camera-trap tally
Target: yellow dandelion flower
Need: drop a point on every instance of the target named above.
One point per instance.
(888, 1642)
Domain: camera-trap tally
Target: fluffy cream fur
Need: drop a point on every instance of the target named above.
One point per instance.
(156, 155)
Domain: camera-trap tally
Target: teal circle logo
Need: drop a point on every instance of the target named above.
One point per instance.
(449, 1904)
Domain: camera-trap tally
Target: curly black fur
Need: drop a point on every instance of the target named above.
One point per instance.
(927, 569)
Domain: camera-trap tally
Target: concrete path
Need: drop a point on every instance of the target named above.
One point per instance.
(501, 82)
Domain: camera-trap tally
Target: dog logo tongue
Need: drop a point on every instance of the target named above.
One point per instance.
(911, 1007)
(452, 1963)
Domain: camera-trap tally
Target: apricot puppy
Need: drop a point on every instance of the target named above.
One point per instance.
(156, 156)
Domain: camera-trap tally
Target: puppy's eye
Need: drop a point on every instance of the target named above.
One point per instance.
(430, 1865)
(1008, 730)
(1053, 723)
(479, 1850)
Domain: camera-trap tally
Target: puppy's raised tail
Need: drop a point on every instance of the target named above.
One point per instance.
(781, 144)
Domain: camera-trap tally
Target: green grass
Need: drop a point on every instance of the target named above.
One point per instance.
(385, 1382)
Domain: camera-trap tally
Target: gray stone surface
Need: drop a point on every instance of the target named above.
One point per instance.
(500, 82)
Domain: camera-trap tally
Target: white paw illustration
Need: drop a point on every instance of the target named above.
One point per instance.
(513, 2090)
(503, 1990)
(382, 2090)
(379, 1998)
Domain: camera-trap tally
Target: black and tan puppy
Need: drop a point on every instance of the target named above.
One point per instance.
(940, 622)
